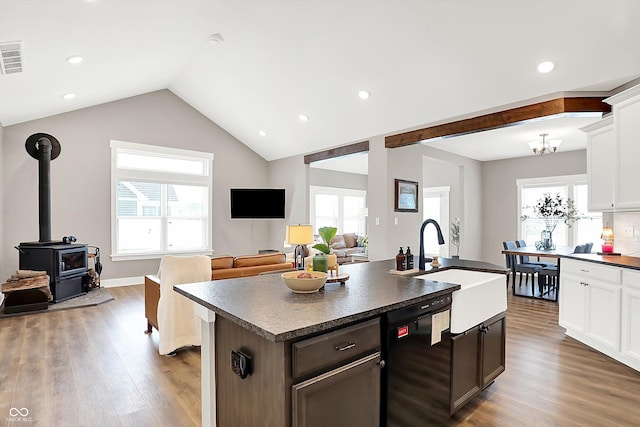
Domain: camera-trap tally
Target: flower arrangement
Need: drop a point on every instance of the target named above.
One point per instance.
(553, 210)
(455, 235)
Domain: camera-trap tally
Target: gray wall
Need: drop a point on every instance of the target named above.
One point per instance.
(483, 195)
(80, 188)
(328, 178)
(292, 174)
(420, 163)
(378, 199)
(500, 198)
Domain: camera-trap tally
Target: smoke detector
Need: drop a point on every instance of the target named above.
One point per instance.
(11, 57)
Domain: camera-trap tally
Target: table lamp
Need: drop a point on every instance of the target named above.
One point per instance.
(299, 235)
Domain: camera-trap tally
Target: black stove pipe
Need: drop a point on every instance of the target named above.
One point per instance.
(44, 188)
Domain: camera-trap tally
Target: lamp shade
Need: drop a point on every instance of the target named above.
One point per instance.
(299, 234)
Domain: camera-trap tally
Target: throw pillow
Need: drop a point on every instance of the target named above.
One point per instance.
(350, 240)
(338, 242)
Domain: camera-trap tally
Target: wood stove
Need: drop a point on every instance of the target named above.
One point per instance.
(64, 261)
(66, 265)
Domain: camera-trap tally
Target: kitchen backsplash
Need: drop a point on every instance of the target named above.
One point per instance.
(626, 231)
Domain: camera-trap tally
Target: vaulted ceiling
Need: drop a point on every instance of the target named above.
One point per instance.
(422, 61)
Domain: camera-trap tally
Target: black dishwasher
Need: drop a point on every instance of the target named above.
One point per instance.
(417, 351)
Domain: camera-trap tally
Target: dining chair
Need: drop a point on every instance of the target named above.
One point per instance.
(521, 268)
(548, 281)
(548, 276)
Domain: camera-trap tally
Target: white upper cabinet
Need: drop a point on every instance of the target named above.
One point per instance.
(626, 125)
(601, 164)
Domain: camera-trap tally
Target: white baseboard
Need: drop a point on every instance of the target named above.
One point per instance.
(123, 281)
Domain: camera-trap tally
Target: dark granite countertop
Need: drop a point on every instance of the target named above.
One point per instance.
(612, 260)
(264, 304)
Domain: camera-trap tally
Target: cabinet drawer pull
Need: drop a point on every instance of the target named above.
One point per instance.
(583, 270)
(346, 347)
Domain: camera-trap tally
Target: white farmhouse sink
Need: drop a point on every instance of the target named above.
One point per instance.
(482, 295)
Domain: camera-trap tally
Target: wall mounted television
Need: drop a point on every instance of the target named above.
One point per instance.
(257, 203)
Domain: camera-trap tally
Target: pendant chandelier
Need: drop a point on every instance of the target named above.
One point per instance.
(543, 146)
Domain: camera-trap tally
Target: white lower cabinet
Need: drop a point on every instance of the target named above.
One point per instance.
(591, 308)
(598, 310)
(572, 315)
(630, 328)
(603, 313)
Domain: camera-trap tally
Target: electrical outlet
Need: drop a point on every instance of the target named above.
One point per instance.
(627, 231)
(395, 221)
(240, 364)
(377, 221)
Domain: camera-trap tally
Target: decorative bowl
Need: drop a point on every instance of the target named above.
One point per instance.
(305, 285)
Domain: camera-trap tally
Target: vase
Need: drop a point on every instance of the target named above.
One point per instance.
(546, 237)
(320, 262)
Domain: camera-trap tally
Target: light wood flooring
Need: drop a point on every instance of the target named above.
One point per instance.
(94, 366)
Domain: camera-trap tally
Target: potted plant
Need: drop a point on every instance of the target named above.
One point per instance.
(552, 210)
(326, 259)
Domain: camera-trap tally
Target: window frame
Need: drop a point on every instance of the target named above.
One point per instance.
(340, 193)
(570, 181)
(145, 175)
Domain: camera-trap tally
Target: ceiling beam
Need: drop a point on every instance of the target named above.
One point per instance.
(500, 119)
(358, 147)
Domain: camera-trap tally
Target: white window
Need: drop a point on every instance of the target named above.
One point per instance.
(338, 207)
(160, 201)
(586, 228)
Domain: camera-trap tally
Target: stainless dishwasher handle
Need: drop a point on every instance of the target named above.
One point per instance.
(346, 347)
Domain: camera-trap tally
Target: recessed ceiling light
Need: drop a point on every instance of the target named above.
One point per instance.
(364, 94)
(303, 117)
(546, 66)
(69, 96)
(215, 38)
(262, 133)
(74, 59)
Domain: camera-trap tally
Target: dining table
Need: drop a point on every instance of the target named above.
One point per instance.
(533, 251)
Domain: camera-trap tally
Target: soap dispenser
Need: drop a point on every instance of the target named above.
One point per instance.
(409, 262)
(400, 259)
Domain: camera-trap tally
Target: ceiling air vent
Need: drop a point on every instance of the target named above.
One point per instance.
(11, 57)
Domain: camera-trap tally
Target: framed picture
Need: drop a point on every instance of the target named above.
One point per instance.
(406, 196)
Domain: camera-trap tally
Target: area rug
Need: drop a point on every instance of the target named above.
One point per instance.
(93, 297)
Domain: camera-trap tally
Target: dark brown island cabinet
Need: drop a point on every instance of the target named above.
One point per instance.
(477, 358)
(332, 379)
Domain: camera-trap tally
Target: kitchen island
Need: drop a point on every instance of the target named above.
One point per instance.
(261, 318)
